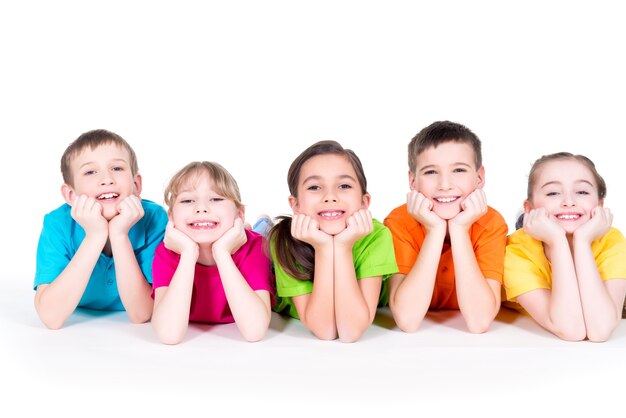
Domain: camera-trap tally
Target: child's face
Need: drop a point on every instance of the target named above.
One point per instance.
(105, 174)
(567, 189)
(329, 192)
(446, 175)
(201, 213)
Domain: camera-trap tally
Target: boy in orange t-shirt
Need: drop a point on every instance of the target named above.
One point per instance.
(446, 217)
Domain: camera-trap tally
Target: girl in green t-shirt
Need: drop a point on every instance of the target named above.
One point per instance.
(330, 257)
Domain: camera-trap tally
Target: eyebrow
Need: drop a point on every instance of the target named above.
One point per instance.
(558, 183)
(431, 166)
(114, 160)
(340, 177)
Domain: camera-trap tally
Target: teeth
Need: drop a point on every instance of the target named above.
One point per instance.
(107, 196)
(329, 214)
(568, 217)
(446, 199)
(203, 224)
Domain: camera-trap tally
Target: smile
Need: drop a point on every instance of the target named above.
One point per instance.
(568, 217)
(331, 214)
(106, 196)
(445, 199)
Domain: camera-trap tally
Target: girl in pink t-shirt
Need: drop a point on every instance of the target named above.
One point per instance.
(209, 268)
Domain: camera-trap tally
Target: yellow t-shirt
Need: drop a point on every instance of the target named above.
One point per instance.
(526, 267)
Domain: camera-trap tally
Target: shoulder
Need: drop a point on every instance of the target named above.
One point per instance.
(61, 217)
(153, 209)
(611, 239)
(398, 215)
(400, 222)
(491, 221)
(521, 241)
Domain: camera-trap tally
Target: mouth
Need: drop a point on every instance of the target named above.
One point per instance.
(107, 196)
(568, 216)
(203, 225)
(331, 214)
(445, 200)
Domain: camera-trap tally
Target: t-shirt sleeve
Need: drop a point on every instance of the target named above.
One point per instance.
(406, 241)
(155, 221)
(255, 267)
(377, 257)
(611, 256)
(287, 286)
(490, 248)
(522, 271)
(54, 252)
(164, 265)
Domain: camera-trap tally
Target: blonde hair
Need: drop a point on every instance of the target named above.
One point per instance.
(223, 182)
(94, 139)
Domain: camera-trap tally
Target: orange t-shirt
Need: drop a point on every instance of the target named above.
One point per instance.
(488, 236)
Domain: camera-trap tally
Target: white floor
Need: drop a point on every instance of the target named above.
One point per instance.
(100, 365)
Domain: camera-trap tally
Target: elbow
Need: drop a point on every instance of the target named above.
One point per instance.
(254, 335)
(350, 335)
(600, 335)
(572, 334)
(479, 325)
(139, 317)
(52, 323)
(406, 323)
(170, 336)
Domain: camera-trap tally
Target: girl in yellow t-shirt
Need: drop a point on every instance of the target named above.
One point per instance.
(567, 266)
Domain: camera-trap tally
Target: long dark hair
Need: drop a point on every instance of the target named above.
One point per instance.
(296, 257)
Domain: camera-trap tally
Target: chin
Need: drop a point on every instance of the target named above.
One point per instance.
(446, 215)
(333, 229)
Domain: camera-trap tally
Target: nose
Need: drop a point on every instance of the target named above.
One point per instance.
(444, 182)
(330, 197)
(106, 179)
(568, 200)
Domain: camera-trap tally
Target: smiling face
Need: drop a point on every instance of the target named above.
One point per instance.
(201, 213)
(447, 174)
(567, 189)
(329, 192)
(105, 174)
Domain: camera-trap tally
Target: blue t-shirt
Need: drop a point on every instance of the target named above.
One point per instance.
(61, 236)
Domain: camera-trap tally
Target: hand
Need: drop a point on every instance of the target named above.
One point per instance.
(306, 229)
(597, 226)
(472, 208)
(177, 241)
(358, 225)
(539, 225)
(232, 240)
(87, 212)
(421, 209)
(129, 212)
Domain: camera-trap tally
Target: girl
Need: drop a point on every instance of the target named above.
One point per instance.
(330, 257)
(567, 266)
(209, 268)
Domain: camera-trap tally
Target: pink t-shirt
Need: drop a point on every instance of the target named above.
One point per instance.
(208, 300)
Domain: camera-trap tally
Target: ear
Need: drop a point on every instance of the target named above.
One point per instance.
(365, 201)
(242, 213)
(601, 203)
(412, 181)
(527, 206)
(68, 193)
(293, 202)
(481, 177)
(137, 185)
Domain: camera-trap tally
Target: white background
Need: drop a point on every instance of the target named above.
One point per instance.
(251, 84)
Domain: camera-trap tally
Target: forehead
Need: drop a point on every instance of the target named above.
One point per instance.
(101, 153)
(564, 171)
(198, 179)
(448, 153)
(327, 166)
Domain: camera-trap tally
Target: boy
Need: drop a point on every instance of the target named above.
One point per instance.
(96, 250)
(446, 218)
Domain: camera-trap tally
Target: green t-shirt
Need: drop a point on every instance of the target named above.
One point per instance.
(373, 256)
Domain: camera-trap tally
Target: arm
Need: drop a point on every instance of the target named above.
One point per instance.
(410, 295)
(355, 300)
(558, 310)
(56, 301)
(251, 309)
(317, 309)
(601, 301)
(172, 303)
(478, 297)
(132, 285)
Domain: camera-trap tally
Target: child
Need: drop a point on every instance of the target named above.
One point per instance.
(446, 218)
(96, 250)
(209, 268)
(330, 257)
(567, 266)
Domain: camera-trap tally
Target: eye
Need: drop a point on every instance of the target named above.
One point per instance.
(90, 172)
(217, 199)
(552, 194)
(583, 192)
(185, 201)
(313, 188)
(459, 170)
(345, 186)
(429, 172)
(118, 169)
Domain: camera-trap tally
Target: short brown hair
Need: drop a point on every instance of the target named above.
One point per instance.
(94, 139)
(223, 182)
(441, 132)
(532, 176)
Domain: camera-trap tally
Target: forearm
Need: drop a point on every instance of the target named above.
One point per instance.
(56, 301)
(477, 300)
(251, 312)
(319, 313)
(600, 313)
(411, 296)
(352, 313)
(170, 318)
(132, 286)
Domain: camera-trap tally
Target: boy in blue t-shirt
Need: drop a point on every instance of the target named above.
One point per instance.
(96, 250)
